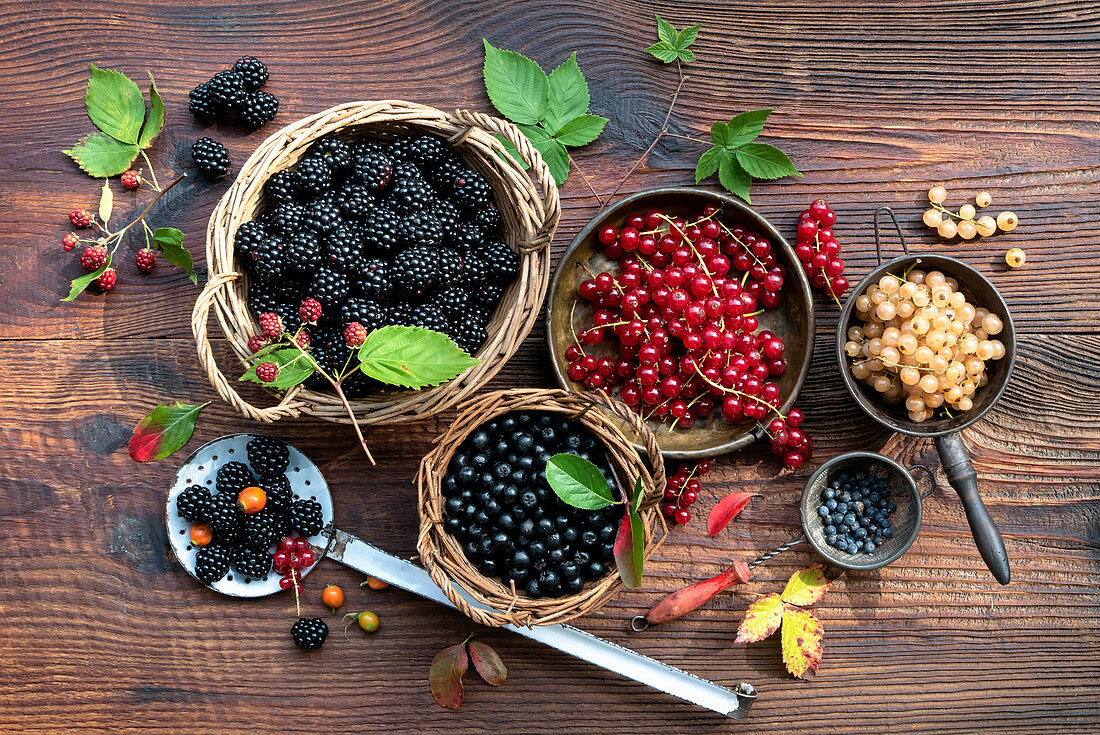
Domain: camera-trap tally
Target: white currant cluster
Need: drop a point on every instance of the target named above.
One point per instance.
(968, 224)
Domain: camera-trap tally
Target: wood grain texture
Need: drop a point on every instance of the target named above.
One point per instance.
(104, 633)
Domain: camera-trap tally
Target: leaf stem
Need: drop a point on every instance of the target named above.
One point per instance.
(152, 173)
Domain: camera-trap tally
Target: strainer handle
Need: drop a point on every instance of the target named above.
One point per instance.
(897, 228)
(964, 478)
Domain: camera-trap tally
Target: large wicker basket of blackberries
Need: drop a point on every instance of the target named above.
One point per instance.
(383, 213)
(495, 537)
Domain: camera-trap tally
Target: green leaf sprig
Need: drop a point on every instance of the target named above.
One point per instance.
(550, 109)
(737, 159)
(672, 45)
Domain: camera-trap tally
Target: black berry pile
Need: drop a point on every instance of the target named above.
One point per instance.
(380, 233)
(510, 523)
(228, 539)
(856, 512)
(235, 94)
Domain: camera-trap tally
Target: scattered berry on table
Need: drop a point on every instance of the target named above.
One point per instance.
(855, 512)
(257, 342)
(983, 198)
(106, 280)
(682, 490)
(965, 223)
(374, 583)
(251, 500)
(210, 157)
(267, 455)
(130, 179)
(253, 71)
(332, 596)
(1015, 257)
(1007, 221)
(201, 534)
(80, 218)
(267, 372)
(70, 241)
(310, 311)
(368, 621)
(93, 258)
(818, 250)
(227, 91)
(306, 517)
(193, 503)
(309, 634)
(212, 562)
(789, 440)
(259, 109)
(202, 105)
(355, 334)
(145, 259)
(271, 324)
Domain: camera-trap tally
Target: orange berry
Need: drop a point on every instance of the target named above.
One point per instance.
(375, 583)
(201, 534)
(251, 500)
(332, 596)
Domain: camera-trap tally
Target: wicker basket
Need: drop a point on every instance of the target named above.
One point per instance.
(442, 555)
(530, 217)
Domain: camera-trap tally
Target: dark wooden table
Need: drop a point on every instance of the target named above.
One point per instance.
(102, 631)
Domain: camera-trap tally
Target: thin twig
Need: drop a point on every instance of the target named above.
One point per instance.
(687, 137)
(152, 173)
(141, 217)
(588, 183)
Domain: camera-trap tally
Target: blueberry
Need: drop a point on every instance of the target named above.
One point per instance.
(582, 558)
(844, 497)
(831, 539)
(455, 506)
(493, 508)
(467, 476)
(549, 435)
(830, 530)
(572, 584)
(521, 559)
(470, 549)
(852, 548)
(529, 499)
(481, 518)
(850, 518)
(536, 549)
(608, 532)
(841, 507)
(607, 551)
(891, 507)
(887, 532)
(874, 497)
(454, 526)
(823, 511)
(501, 448)
(488, 567)
(831, 504)
(511, 494)
(829, 493)
(860, 533)
(527, 528)
(556, 556)
(525, 463)
(553, 540)
(569, 534)
(519, 576)
(506, 522)
(594, 570)
(869, 546)
(572, 442)
(549, 580)
(589, 538)
(545, 526)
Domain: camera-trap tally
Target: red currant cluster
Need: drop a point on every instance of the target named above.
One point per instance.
(682, 491)
(294, 555)
(819, 251)
(789, 440)
(682, 318)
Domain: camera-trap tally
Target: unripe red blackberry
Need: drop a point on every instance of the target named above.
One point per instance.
(310, 310)
(271, 324)
(80, 218)
(257, 342)
(93, 258)
(267, 371)
(70, 241)
(106, 280)
(355, 334)
(131, 179)
(145, 259)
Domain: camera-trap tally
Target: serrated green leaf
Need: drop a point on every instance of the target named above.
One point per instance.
(636, 497)
(745, 127)
(412, 357)
(115, 104)
(581, 130)
(163, 431)
(294, 368)
(666, 31)
(516, 85)
(578, 482)
(567, 96)
(154, 121)
(557, 160)
(169, 241)
(80, 284)
(686, 37)
(708, 163)
(512, 151)
(628, 549)
(100, 156)
(106, 202)
(765, 161)
(664, 51)
(734, 178)
(685, 55)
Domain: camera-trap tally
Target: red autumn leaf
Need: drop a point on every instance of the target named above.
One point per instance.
(726, 510)
(445, 676)
(761, 619)
(629, 545)
(163, 431)
(487, 663)
(805, 587)
(801, 638)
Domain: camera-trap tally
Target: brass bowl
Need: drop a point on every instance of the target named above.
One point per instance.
(792, 319)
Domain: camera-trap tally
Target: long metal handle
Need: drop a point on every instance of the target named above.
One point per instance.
(371, 560)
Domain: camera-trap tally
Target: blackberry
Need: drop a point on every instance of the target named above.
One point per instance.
(365, 146)
(252, 563)
(262, 297)
(279, 493)
(233, 477)
(330, 286)
(488, 219)
(267, 259)
(380, 231)
(415, 272)
(374, 279)
(335, 151)
(478, 270)
(399, 313)
(210, 157)
(408, 195)
(314, 176)
(287, 311)
(303, 253)
(193, 503)
(227, 91)
(249, 236)
(309, 634)
(469, 333)
(423, 150)
(342, 250)
(323, 215)
(427, 316)
(331, 353)
(261, 530)
(356, 202)
(253, 71)
(282, 186)
(470, 190)
(490, 293)
(286, 219)
(453, 302)
(374, 168)
(357, 384)
(202, 105)
(259, 109)
(421, 228)
(502, 260)
(305, 517)
(451, 270)
(449, 219)
(371, 314)
(267, 456)
(467, 239)
(212, 563)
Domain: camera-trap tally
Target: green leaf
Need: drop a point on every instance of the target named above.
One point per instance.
(164, 430)
(687, 37)
(512, 151)
(412, 357)
(516, 85)
(581, 130)
(80, 284)
(664, 51)
(106, 202)
(155, 120)
(673, 46)
(734, 178)
(765, 161)
(99, 155)
(636, 497)
(556, 157)
(666, 31)
(115, 104)
(708, 164)
(745, 127)
(169, 241)
(294, 368)
(567, 96)
(628, 549)
(578, 482)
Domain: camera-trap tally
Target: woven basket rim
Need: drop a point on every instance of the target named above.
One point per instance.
(530, 208)
(442, 555)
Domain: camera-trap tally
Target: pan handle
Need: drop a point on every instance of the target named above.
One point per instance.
(897, 228)
(963, 477)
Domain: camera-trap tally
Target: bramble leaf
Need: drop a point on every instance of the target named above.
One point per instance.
(578, 482)
(628, 549)
(412, 357)
(115, 104)
(512, 151)
(445, 675)
(516, 85)
(666, 31)
(100, 156)
(801, 642)
(734, 178)
(673, 46)
(154, 121)
(807, 586)
(567, 96)
(725, 510)
(581, 130)
(79, 285)
(761, 619)
(553, 152)
(294, 368)
(169, 241)
(743, 128)
(765, 161)
(664, 52)
(708, 163)
(487, 663)
(163, 431)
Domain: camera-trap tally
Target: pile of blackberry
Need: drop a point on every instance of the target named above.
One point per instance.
(243, 542)
(855, 508)
(399, 232)
(235, 93)
(510, 523)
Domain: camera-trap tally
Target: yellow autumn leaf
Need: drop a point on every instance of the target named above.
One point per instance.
(761, 619)
(806, 587)
(801, 638)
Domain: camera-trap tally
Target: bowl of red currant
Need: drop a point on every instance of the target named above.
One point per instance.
(689, 307)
